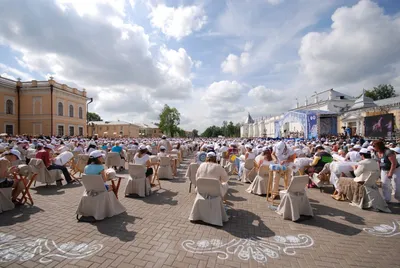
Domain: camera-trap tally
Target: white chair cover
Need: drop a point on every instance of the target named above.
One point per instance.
(191, 173)
(113, 160)
(208, 206)
(372, 197)
(249, 172)
(5, 199)
(165, 169)
(259, 185)
(137, 182)
(82, 162)
(295, 201)
(97, 201)
(131, 155)
(43, 175)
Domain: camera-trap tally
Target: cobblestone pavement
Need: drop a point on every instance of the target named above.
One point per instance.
(155, 232)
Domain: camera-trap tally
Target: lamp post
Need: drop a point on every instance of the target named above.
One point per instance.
(89, 101)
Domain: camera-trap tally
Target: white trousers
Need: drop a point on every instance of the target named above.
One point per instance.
(387, 185)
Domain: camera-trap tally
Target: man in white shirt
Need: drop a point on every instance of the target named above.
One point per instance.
(164, 142)
(354, 155)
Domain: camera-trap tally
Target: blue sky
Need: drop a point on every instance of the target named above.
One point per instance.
(214, 60)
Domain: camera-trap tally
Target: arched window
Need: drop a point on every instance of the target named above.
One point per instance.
(71, 111)
(60, 109)
(80, 113)
(9, 107)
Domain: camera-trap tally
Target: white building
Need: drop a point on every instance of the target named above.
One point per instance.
(292, 123)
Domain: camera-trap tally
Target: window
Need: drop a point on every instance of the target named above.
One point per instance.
(80, 131)
(60, 130)
(9, 107)
(100, 128)
(121, 127)
(71, 111)
(71, 131)
(10, 129)
(80, 113)
(60, 109)
(155, 131)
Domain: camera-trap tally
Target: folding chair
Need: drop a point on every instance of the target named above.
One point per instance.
(191, 174)
(156, 166)
(27, 178)
(80, 166)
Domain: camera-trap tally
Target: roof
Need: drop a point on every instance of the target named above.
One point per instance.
(363, 102)
(313, 112)
(142, 125)
(333, 95)
(389, 101)
(109, 123)
(249, 119)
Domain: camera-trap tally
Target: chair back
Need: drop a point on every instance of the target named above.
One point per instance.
(263, 171)
(165, 161)
(82, 162)
(36, 165)
(249, 164)
(202, 157)
(93, 183)
(137, 171)
(208, 187)
(112, 159)
(63, 158)
(191, 172)
(153, 159)
(298, 184)
(131, 155)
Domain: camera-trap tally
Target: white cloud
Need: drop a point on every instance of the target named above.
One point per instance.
(266, 95)
(12, 73)
(363, 44)
(223, 92)
(275, 2)
(233, 64)
(178, 22)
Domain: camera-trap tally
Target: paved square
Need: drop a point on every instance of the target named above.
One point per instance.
(155, 232)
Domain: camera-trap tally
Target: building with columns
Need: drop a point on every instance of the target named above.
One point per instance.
(42, 108)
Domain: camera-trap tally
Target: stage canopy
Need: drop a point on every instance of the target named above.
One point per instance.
(308, 119)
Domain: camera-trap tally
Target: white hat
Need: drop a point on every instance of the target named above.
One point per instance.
(211, 154)
(162, 148)
(96, 154)
(364, 151)
(15, 152)
(148, 147)
(142, 147)
(248, 146)
(49, 146)
(163, 137)
(357, 147)
(396, 149)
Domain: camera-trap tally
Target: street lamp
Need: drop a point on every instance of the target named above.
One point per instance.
(89, 101)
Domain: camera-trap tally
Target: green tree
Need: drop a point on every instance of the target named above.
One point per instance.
(169, 121)
(227, 130)
(195, 133)
(93, 117)
(381, 92)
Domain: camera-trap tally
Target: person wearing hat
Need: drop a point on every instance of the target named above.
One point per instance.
(351, 189)
(211, 169)
(92, 147)
(249, 155)
(354, 155)
(44, 154)
(162, 152)
(118, 149)
(6, 170)
(390, 170)
(95, 166)
(164, 142)
(142, 158)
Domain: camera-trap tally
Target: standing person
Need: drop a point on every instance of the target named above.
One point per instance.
(390, 170)
(44, 154)
(164, 142)
(282, 155)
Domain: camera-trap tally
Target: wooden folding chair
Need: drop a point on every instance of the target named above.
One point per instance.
(155, 175)
(115, 183)
(27, 182)
(79, 167)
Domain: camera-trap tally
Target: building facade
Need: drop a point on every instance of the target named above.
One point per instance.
(149, 131)
(113, 129)
(42, 108)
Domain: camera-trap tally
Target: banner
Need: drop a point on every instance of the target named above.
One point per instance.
(312, 128)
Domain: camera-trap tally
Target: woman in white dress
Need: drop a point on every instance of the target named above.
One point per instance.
(142, 158)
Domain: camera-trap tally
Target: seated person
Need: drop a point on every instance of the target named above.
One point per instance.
(162, 152)
(354, 155)
(351, 189)
(265, 158)
(201, 155)
(248, 155)
(211, 169)
(321, 158)
(95, 166)
(92, 147)
(78, 148)
(44, 154)
(6, 177)
(142, 158)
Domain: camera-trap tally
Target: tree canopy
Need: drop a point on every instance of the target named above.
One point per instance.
(169, 121)
(381, 92)
(93, 117)
(226, 130)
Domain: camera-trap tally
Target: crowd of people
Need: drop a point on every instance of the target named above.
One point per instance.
(214, 155)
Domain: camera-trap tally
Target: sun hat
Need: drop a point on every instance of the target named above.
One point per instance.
(211, 154)
(364, 151)
(96, 154)
(14, 152)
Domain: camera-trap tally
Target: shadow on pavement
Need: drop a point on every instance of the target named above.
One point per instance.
(117, 227)
(18, 215)
(161, 197)
(333, 225)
